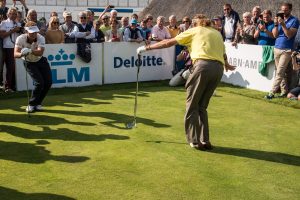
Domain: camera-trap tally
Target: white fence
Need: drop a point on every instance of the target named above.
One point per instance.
(111, 63)
(116, 63)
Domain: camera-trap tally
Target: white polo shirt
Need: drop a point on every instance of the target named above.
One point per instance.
(7, 25)
(22, 42)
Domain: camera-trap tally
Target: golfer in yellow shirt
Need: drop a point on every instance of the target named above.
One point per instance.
(207, 51)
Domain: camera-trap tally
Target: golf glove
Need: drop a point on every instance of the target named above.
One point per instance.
(25, 51)
(141, 50)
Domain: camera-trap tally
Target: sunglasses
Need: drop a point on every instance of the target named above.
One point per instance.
(82, 17)
(55, 22)
(186, 21)
(226, 8)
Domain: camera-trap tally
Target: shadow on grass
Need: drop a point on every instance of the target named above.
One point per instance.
(259, 155)
(11, 194)
(39, 120)
(115, 118)
(59, 134)
(160, 141)
(31, 153)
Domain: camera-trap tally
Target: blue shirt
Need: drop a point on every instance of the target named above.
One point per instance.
(282, 42)
(264, 39)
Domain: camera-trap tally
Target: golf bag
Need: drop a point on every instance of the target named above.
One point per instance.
(84, 51)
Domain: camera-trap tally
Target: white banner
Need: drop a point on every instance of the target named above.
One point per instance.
(120, 61)
(247, 59)
(68, 70)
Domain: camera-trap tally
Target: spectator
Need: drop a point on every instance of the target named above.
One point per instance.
(145, 31)
(297, 40)
(114, 16)
(159, 31)
(89, 17)
(9, 31)
(114, 34)
(23, 4)
(132, 33)
(83, 32)
(217, 23)
(264, 30)
(285, 32)
(230, 20)
(245, 34)
(53, 14)
(53, 34)
(135, 16)
(31, 46)
(67, 27)
(186, 24)
(149, 22)
(106, 24)
(124, 24)
(99, 35)
(3, 16)
(172, 28)
(256, 15)
(32, 16)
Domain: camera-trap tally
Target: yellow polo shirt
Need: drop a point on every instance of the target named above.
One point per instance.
(203, 43)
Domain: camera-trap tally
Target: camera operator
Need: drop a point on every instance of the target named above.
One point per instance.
(9, 31)
(286, 27)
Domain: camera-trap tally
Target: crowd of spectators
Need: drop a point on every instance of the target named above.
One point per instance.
(257, 27)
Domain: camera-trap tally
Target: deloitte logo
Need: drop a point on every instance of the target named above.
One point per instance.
(148, 61)
(61, 58)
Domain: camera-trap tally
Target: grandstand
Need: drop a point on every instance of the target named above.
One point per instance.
(45, 7)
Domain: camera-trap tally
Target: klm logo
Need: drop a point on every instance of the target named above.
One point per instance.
(63, 63)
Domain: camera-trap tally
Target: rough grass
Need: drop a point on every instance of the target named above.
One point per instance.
(79, 148)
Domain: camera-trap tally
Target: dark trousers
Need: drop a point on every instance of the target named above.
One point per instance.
(200, 86)
(1, 65)
(41, 75)
(9, 60)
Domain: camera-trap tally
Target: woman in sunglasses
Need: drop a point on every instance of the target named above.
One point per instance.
(53, 34)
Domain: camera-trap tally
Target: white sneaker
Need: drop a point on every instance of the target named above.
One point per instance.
(30, 109)
(39, 108)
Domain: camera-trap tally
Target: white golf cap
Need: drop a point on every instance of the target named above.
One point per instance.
(32, 29)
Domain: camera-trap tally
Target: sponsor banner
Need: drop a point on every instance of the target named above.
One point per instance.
(247, 59)
(120, 63)
(67, 69)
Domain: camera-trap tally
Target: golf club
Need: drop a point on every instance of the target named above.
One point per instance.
(27, 88)
(132, 124)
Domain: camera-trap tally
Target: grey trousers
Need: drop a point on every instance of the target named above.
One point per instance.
(200, 86)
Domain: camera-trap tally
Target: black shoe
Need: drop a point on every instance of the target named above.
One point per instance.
(208, 146)
(269, 96)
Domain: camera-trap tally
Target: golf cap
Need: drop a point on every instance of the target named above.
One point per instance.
(32, 29)
(133, 21)
(66, 14)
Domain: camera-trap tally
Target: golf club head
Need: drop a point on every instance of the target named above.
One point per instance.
(131, 125)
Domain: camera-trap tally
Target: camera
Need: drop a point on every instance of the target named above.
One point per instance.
(280, 14)
(111, 6)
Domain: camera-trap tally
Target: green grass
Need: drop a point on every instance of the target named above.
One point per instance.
(79, 148)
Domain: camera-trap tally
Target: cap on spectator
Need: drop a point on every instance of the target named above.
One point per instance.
(32, 29)
(217, 17)
(66, 14)
(133, 21)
